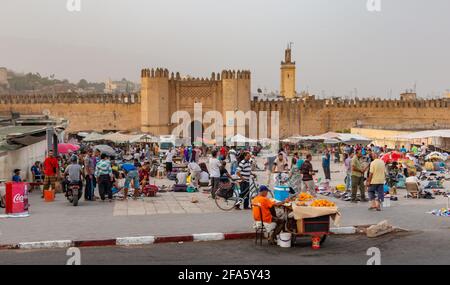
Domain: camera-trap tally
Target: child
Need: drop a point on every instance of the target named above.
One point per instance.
(119, 183)
(16, 177)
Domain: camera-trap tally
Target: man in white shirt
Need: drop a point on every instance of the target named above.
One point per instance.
(423, 149)
(169, 160)
(214, 172)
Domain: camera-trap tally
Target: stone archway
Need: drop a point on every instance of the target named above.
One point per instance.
(196, 130)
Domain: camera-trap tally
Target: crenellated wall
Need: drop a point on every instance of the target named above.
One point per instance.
(311, 117)
(226, 91)
(85, 112)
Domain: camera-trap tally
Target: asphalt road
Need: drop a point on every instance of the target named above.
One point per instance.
(431, 247)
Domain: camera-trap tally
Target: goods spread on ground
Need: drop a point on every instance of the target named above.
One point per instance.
(441, 212)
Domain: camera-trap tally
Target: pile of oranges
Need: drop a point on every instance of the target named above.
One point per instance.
(322, 203)
(305, 196)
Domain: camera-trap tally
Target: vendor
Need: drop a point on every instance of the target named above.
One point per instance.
(264, 206)
(132, 174)
(412, 178)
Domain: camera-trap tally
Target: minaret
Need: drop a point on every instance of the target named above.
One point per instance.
(287, 89)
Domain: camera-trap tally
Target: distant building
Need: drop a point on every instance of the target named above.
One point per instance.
(3, 77)
(123, 86)
(408, 96)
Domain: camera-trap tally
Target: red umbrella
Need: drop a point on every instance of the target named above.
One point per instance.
(65, 148)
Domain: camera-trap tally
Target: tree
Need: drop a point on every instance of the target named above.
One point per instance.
(83, 84)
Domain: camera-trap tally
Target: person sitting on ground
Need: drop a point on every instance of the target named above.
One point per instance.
(204, 175)
(194, 170)
(262, 205)
(119, 183)
(144, 174)
(16, 176)
(412, 178)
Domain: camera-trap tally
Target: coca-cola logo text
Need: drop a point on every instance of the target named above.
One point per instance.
(18, 199)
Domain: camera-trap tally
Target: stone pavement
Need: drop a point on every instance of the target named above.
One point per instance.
(174, 214)
(166, 203)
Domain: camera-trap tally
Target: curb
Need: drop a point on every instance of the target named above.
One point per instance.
(147, 240)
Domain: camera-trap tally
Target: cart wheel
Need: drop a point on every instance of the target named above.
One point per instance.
(322, 240)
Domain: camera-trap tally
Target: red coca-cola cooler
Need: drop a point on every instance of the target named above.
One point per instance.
(16, 198)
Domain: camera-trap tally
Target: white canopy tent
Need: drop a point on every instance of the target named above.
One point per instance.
(298, 139)
(332, 138)
(346, 138)
(122, 138)
(241, 139)
(93, 137)
(149, 139)
(426, 134)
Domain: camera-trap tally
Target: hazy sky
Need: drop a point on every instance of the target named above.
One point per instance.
(339, 46)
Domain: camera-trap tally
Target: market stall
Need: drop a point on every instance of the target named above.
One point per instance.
(309, 216)
(241, 140)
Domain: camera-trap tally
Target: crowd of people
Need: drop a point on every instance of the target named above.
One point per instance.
(132, 166)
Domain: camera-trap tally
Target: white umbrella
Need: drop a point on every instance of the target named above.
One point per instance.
(106, 149)
(83, 134)
(92, 137)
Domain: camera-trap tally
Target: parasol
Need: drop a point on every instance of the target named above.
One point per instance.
(106, 149)
(65, 148)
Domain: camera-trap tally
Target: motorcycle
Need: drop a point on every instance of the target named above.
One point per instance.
(74, 193)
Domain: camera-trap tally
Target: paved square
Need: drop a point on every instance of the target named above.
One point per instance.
(166, 203)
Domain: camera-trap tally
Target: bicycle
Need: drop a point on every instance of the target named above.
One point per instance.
(228, 198)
